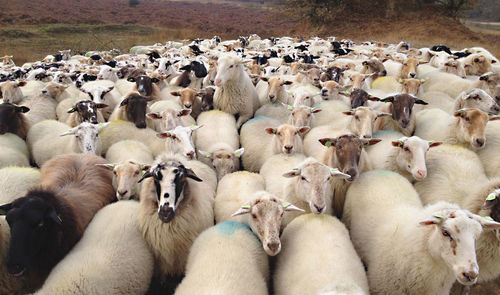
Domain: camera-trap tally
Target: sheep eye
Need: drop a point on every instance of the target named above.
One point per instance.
(279, 133)
(308, 115)
(406, 149)
(303, 178)
(467, 119)
(254, 216)
(446, 234)
(175, 171)
(114, 172)
(356, 117)
(230, 66)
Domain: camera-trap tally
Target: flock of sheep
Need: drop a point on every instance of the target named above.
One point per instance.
(327, 167)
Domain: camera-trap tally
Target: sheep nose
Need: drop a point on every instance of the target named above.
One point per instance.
(480, 142)
(288, 148)
(324, 91)
(384, 73)
(273, 246)
(319, 208)
(44, 91)
(190, 155)
(470, 276)
(405, 123)
(421, 174)
(141, 125)
(412, 75)
(271, 96)
(353, 173)
(188, 106)
(122, 193)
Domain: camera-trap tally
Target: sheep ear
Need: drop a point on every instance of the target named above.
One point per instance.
(387, 99)
(155, 80)
(72, 110)
(195, 127)
(101, 126)
(419, 101)
(245, 209)
(146, 174)
(164, 134)
(108, 166)
(288, 82)
(335, 172)
(22, 109)
(20, 84)
(4, 209)
(190, 174)
(303, 129)
(435, 143)
(271, 130)
(348, 113)
(239, 152)
(494, 118)
(434, 219)
(265, 79)
(486, 222)
(184, 112)
(131, 79)
(154, 116)
(109, 89)
(124, 102)
(101, 105)
(205, 154)
(397, 143)
(69, 132)
(460, 113)
(52, 215)
(328, 142)
(290, 207)
(491, 200)
(292, 173)
(371, 141)
(315, 110)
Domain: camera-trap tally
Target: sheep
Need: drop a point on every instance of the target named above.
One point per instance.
(241, 197)
(455, 67)
(180, 141)
(477, 98)
(122, 130)
(441, 243)
(72, 189)
(401, 154)
(331, 90)
(102, 91)
(273, 90)
(488, 154)
(346, 152)
(14, 151)
(466, 127)
(477, 64)
(303, 94)
(85, 111)
(403, 116)
(168, 114)
(297, 116)
(107, 73)
(307, 184)
(41, 106)
(189, 99)
(235, 93)
(329, 111)
(218, 142)
(47, 139)
(449, 83)
(492, 81)
(111, 257)
(259, 146)
(13, 120)
(10, 91)
(215, 263)
(60, 92)
(360, 121)
(133, 108)
(298, 270)
(128, 159)
(176, 205)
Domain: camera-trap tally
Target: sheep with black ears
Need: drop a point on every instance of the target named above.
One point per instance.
(218, 142)
(85, 111)
(383, 211)
(49, 138)
(176, 205)
(133, 108)
(226, 259)
(262, 137)
(241, 197)
(113, 248)
(235, 93)
(299, 271)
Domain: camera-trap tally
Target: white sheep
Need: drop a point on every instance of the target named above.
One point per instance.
(306, 185)
(169, 114)
(330, 110)
(273, 90)
(122, 130)
(180, 141)
(299, 271)
(14, 151)
(475, 98)
(235, 93)
(111, 257)
(42, 107)
(176, 205)
(263, 137)
(128, 159)
(49, 138)
(298, 116)
(392, 232)
(102, 91)
(449, 83)
(218, 142)
(466, 127)
(11, 91)
(488, 154)
(401, 154)
(226, 259)
(241, 197)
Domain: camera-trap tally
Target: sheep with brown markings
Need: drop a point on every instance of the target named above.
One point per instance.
(13, 120)
(133, 108)
(403, 117)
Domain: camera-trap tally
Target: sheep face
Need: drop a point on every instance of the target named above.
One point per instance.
(492, 80)
(11, 91)
(87, 110)
(411, 155)
(346, 150)
(223, 160)
(409, 68)
(180, 140)
(10, 117)
(334, 74)
(357, 80)
(402, 107)
(479, 99)
(170, 179)
(136, 107)
(313, 183)
(492, 205)
(314, 75)
(207, 99)
(374, 66)
(143, 84)
(97, 94)
(53, 89)
(455, 67)
(472, 126)
(330, 90)
(302, 116)
(266, 214)
(32, 220)
(169, 118)
(359, 98)
(106, 73)
(276, 87)
(125, 177)
(287, 138)
(229, 68)
(453, 233)
(477, 64)
(304, 96)
(411, 86)
(165, 67)
(87, 137)
(186, 96)
(363, 121)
